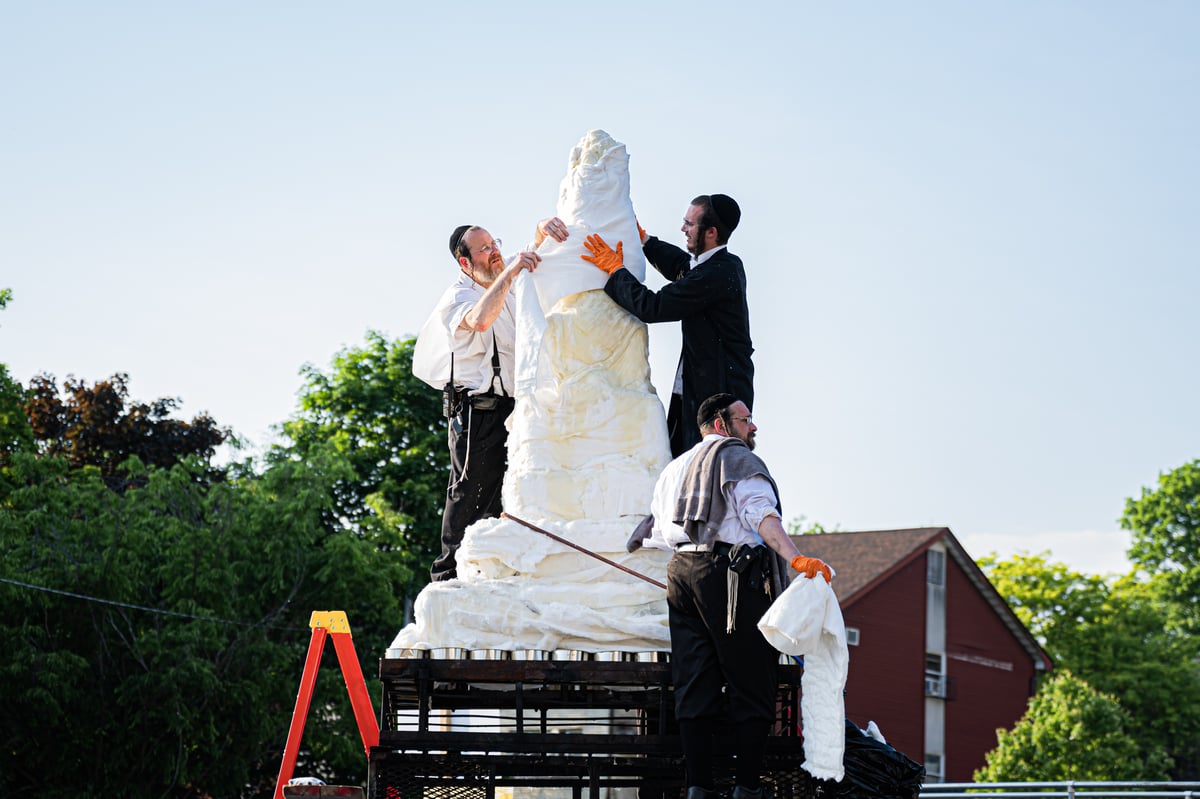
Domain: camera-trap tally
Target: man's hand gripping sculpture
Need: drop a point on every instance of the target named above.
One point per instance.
(604, 257)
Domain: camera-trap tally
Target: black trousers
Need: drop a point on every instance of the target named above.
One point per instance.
(478, 459)
(683, 433)
(704, 658)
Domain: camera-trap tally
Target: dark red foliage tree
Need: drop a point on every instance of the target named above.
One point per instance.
(98, 425)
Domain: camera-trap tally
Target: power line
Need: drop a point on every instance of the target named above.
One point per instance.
(159, 611)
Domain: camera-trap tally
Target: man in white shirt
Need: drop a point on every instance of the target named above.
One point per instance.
(731, 557)
(478, 317)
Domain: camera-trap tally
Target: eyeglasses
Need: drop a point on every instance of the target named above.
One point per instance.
(746, 419)
(488, 249)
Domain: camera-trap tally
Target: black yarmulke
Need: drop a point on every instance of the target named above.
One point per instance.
(727, 210)
(456, 237)
(711, 407)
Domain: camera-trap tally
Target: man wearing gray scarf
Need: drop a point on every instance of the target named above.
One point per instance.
(732, 557)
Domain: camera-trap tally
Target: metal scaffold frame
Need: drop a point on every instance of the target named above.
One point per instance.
(465, 728)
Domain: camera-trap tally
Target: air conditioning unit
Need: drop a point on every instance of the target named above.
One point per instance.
(935, 686)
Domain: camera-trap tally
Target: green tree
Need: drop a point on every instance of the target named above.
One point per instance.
(1057, 604)
(797, 527)
(155, 633)
(158, 606)
(388, 426)
(1069, 732)
(171, 668)
(15, 433)
(1165, 522)
(1112, 633)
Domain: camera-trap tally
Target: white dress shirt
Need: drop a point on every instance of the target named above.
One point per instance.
(747, 503)
(473, 349)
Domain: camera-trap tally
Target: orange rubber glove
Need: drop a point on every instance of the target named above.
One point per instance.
(641, 231)
(812, 567)
(603, 256)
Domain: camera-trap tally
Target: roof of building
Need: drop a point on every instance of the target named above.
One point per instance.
(863, 560)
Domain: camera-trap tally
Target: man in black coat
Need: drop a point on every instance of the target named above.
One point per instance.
(707, 293)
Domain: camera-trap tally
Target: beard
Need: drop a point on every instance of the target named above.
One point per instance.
(694, 242)
(487, 270)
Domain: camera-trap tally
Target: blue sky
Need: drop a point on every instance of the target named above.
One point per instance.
(970, 229)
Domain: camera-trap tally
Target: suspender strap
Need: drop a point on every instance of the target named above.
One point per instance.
(496, 368)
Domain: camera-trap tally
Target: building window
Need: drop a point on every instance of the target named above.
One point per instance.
(852, 636)
(933, 768)
(935, 567)
(935, 675)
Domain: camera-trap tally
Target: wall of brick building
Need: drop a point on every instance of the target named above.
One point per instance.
(989, 674)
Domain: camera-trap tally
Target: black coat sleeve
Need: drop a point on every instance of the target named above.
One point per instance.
(689, 295)
(670, 261)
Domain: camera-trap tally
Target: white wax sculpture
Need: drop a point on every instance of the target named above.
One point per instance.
(587, 441)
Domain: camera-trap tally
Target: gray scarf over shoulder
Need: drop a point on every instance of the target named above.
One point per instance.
(700, 508)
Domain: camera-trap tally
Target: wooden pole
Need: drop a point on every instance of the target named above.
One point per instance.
(584, 550)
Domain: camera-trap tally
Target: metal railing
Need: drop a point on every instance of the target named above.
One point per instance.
(1069, 789)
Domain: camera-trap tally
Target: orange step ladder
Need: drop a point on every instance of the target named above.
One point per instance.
(332, 624)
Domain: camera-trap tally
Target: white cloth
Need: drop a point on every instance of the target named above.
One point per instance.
(807, 620)
(593, 197)
(665, 534)
(442, 335)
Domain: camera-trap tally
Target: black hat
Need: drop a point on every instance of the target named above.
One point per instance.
(726, 209)
(456, 237)
(711, 408)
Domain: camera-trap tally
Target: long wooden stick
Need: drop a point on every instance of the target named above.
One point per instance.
(584, 550)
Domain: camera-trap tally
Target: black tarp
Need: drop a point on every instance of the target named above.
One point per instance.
(875, 770)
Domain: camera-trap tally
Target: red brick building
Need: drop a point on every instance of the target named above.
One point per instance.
(937, 658)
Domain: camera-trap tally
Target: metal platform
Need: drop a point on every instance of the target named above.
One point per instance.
(472, 728)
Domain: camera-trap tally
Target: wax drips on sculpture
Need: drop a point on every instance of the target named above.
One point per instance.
(588, 440)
